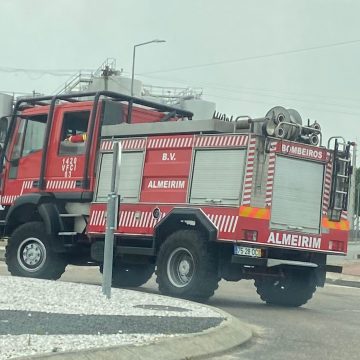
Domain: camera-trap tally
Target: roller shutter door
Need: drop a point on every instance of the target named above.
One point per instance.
(218, 175)
(130, 176)
(297, 195)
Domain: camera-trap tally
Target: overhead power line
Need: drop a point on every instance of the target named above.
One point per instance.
(53, 72)
(256, 57)
(283, 95)
(334, 108)
(312, 107)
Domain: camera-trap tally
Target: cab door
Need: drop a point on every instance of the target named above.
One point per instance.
(22, 167)
(66, 149)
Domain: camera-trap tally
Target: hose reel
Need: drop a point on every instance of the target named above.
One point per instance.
(287, 124)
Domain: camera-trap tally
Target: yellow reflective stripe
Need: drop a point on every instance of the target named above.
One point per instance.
(263, 214)
(338, 225)
(253, 212)
(245, 211)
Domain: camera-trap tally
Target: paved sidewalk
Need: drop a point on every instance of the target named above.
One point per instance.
(352, 269)
(350, 275)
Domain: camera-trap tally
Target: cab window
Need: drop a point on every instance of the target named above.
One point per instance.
(30, 136)
(74, 132)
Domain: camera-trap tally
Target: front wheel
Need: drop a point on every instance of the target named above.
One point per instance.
(187, 266)
(29, 253)
(294, 288)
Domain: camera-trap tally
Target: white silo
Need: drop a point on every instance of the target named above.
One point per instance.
(6, 105)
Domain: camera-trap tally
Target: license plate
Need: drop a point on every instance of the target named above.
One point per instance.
(247, 251)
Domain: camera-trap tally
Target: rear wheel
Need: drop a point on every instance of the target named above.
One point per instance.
(187, 266)
(29, 253)
(293, 289)
(130, 275)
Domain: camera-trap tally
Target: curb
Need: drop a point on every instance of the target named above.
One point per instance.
(228, 335)
(343, 280)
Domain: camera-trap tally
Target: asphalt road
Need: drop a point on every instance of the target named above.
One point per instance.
(326, 328)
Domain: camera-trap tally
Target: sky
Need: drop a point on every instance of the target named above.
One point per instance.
(246, 55)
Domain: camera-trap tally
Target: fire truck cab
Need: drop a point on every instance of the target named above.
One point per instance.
(200, 200)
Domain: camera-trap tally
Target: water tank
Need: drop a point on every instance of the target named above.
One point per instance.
(203, 110)
(118, 84)
(6, 104)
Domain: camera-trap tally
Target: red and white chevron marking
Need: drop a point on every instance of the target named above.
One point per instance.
(170, 142)
(133, 219)
(221, 141)
(247, 187)
(344, 215)
(327, 187)
(98, 218)
(60, 184)
(8, 199)
(224, 223)
(145, 220)
(127, 144)
(270, 175)
(26, 185)
(137, 219)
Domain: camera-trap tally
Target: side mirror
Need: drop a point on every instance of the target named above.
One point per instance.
(15, 162)
(4, 123)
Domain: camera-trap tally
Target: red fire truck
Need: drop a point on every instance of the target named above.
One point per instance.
(201, 200)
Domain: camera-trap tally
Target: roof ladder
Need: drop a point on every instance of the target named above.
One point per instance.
(342, 170)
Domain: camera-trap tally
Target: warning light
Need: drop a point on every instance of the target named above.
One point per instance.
(336, 245)
(250, 235)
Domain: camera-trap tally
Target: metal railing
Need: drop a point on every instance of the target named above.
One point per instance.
(171, 95)
(80, 81)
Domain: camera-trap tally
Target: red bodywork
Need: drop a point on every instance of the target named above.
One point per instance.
(231, 222)
(64, 173)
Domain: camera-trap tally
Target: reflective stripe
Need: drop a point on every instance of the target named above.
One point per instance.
(253, 212)
(337, 225)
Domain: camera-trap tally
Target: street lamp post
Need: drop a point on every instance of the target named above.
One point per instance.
(133, 61)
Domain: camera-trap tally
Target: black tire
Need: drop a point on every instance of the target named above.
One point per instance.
(187, 266)
(29, 253)
(130, 275)
(293, 289)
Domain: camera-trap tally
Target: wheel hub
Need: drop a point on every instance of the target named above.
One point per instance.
(31, 254)
(180, 267)
(184, 267)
